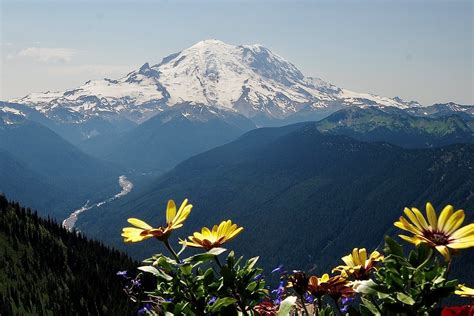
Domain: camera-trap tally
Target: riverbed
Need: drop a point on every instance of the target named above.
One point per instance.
(126, 186)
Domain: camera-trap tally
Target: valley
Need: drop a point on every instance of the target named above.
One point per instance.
(126, 186)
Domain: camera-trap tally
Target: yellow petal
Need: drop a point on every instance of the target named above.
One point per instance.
(206, 232)
(180, 218)
(444, 216)
(405, 225)
(324, 278)
(414, 240)
(132, 230)
(420, 218)
(444, 251)
(355, 256)
(462, 243)
(235, 233)
(363, 256)
(454, 222)
(464, 291)
(464, 231)
(412, 217)
(431, 214)
(190, 244)
(139, 223)
(348, 260)
(183, 212)
(170, 212)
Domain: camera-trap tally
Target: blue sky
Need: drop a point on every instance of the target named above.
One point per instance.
(419, 50)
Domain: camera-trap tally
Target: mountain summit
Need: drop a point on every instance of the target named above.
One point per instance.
(248, 79)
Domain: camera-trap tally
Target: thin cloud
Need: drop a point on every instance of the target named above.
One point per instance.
(44, 54)
(96, 70)
(91, 71)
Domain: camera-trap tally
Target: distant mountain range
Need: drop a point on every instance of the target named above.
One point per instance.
(46, 172)
(401, 127)
(168, 138)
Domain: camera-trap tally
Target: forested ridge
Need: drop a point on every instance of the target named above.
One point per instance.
(47, 270)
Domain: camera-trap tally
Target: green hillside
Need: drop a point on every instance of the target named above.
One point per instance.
(303, 197)
(399, 127)
(46, 270)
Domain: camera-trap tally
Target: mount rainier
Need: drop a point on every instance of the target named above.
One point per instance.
(247, 79)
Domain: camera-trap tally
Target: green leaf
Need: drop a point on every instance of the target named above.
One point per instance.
(251, 287)
(402, 297)
(365, 287)
(163, 262)
(370, 307)
(186, 269)
(203, 257)
(392, 247)
(286, 306)
(251, 263)
(221, 303)
(155, 272)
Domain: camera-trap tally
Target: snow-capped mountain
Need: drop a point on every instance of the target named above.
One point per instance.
(248, 79)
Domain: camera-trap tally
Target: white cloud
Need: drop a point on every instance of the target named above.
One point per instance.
(45, 54)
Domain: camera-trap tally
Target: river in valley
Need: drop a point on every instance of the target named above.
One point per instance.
(126, 186)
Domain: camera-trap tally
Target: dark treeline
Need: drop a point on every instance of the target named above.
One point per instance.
(47, 270)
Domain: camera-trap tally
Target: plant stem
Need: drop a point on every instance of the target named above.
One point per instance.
(448, 269)
(240, 303)
(371, 298)
(318, 304)
(167, 244)
(304, 305)
(337, 305)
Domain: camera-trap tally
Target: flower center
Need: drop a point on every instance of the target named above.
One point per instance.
(437, 238)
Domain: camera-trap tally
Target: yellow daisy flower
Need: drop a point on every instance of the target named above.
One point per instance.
(442, 233)
(465, 291)
(358, 265)
(142, 230)
(214, 238)
(316, 286)
(336, 286)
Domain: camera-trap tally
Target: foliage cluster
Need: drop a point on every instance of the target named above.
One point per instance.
(388, 283)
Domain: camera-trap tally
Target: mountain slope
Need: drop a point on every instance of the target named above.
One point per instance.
(43, 154)
(398, 127)
(248, 79)
(304, 197)
(73, 131)
(170, 137)
(46, 270)
(21, 183)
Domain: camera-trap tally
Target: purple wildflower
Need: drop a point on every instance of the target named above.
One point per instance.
(278, 269)
(345, 301)
(308, 298)
(258, 277)
(136, 283)
(122, 273)
(212, 300)
(279, 291)
(144, 310)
